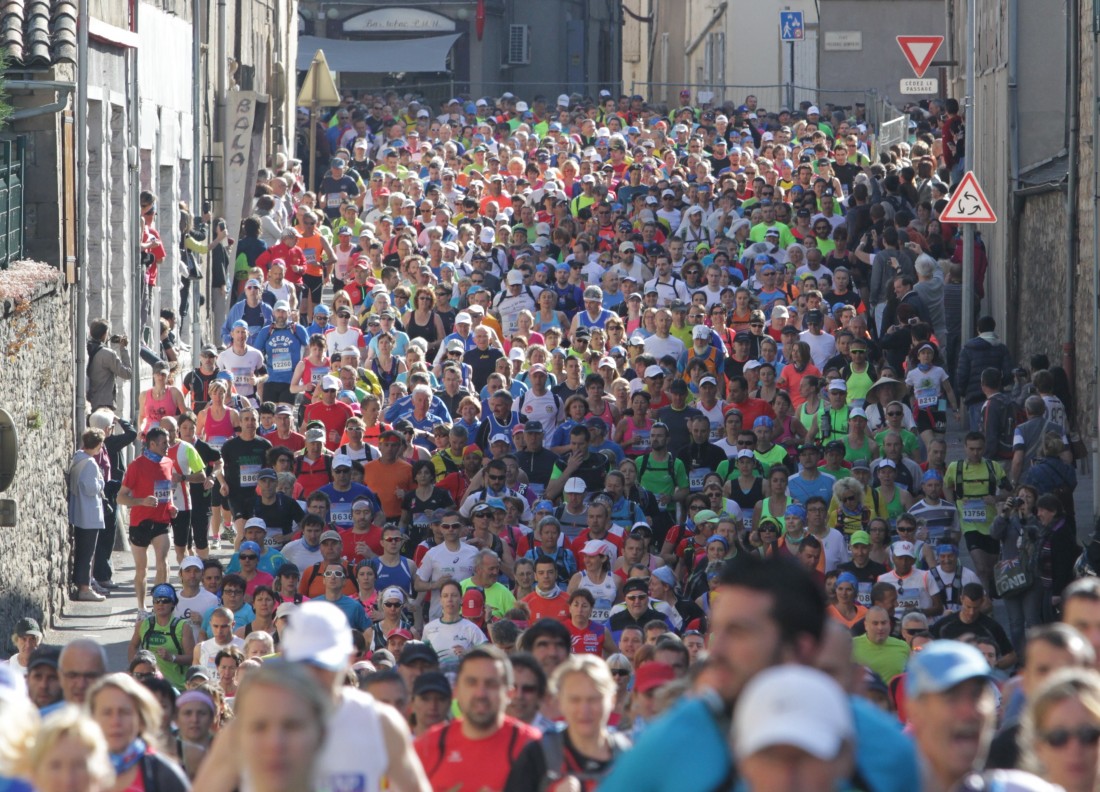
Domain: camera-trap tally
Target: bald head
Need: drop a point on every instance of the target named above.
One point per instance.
(81, 663)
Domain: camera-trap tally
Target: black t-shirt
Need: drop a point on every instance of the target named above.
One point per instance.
(953, 627)
(419, 507)
(280, 515)
(529, 770)
(243, 460)
(846, 173)
(198, 385)
(483, 364)
(563, 391)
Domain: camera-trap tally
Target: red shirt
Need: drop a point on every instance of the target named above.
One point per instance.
(371, 538)
(334, 417)
(295, 261)
(456, 763)
(548, 608)
(295, 442)
(751, 409)
(143, 478)
(586, 641)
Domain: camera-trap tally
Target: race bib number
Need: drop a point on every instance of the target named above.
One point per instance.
(538, 489)
(282, 360)
(715, 432)
(162, 491)
(642, 445)
(216, 442)
(250, 475)
(908, 599)
(928, 398)
(318, 373)
(974, 511)
(347, 782)
(310, 255)
(242, 377)
(602, 611)
(340, 514)
(863, 594)
(696, 477)
(332, 200)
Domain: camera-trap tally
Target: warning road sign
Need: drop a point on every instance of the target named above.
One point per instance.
(968, 204)
(919, 51)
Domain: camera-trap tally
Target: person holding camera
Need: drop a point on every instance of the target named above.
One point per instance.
(108, 362)
(1017, 528)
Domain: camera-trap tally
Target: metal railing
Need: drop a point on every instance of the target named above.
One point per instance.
(12, 156)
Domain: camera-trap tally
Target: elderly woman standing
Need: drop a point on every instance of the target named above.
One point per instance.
(86, 511)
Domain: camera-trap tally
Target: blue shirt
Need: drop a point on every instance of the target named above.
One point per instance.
(353, 609)
(339, 513)
(240, 618)
(803, 489)
(282, 348)
(269, 562)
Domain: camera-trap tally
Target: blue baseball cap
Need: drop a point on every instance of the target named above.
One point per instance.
(321, 309)
(543, 505)
(942, 665)
(239, 324)
(794, 510)
(931, 475)
(763, 420)
(665, 575)
(847, 577)
(496, 503)
(561, 266)
(249, 546)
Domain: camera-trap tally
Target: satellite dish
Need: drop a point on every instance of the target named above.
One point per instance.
(9, 450)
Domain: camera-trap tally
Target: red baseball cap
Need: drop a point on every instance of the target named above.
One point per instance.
(400, 632)
(473, 604)
(651, 675)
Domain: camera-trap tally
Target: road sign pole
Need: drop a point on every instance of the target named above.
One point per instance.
(968, 292)
(790, 87)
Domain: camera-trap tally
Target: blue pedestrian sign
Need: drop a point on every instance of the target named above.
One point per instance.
(790, 26)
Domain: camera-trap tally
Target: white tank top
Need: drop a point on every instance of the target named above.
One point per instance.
(343, 763)
(603, 592)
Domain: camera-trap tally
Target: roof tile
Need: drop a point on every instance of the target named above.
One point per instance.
(38, 33)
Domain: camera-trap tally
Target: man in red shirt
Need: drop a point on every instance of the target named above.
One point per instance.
(547, 601)
(147, 490)
(475, 752)
(750, 408)
(333, 414)
(286, 250)
(284, 434)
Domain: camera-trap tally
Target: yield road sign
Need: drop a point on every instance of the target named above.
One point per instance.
(790, 26)
(968, 203)
(919, 51)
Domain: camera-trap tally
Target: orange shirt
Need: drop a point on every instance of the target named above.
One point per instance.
(455, 762)
(313, 250)
(849, 623)
(385, 478)
(543, 608)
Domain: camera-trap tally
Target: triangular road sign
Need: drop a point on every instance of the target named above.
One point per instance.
(968, 204)
(318, 87)
(919, 51)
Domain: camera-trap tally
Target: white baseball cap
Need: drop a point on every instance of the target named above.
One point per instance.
(838, 385)
(329, 382)
(777, 706)
(191, 562)
(576, 484)
(319, 634)
(563, 100)
(700, 331)
(903, 549)
(515, 278)
(341, 460)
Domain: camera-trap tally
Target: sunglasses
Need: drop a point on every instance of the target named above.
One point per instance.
(895, 414)
(391, 604)
(163, 601)
(637, 598)
(620, 672)
(496, 478)
(249, 557)
(334, 573)
(453, 525)
(1059, 738)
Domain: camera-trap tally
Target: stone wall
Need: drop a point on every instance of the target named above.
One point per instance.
(37, 389)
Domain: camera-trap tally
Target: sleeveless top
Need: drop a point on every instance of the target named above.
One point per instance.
(584, 320)
(606, 416)
(604, 593)
(313, 373)
(807, 418)
(393, 576)
(386, 378)
(542, 325)
(640, 432)
(427, 332)
(766, 511)
(747, 500)
(894, 507)
(855, 453)
(313, 250)
(859, 382)
(218, 431)
(155, 409)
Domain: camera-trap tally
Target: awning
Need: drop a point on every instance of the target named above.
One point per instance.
(373, 57)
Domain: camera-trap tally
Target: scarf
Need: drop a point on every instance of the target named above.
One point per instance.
(129, 757)
(152, 457)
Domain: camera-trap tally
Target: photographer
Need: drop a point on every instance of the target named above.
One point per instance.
(1018, 529)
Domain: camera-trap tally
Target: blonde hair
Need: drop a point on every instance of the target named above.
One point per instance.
(149, 711)
(71, 721)
(588, 666)
(1079, 684)
(20, 724)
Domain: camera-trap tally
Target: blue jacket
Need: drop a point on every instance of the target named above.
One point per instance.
(236, 311)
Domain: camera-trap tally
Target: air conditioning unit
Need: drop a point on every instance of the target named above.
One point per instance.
(519, 45)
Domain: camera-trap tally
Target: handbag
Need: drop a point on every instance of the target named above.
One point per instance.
(1013, 578)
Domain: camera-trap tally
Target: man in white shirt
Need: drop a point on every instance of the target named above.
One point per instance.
(26, 638)
(451, 560)
(822, 345)
(306, 552)
(193, 600)
(662, 343)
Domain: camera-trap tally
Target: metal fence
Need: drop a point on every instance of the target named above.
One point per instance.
(12, 154)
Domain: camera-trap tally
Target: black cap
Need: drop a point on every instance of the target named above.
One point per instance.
(432, 682)
(636, 584)
(416, 651)
(44, 655)
(534, 427)
(835, 445)
(27, 626)
(815, 316)
(743, 335)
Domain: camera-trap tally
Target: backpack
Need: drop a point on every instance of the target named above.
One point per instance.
(559, 767)
(150, 624)
(956, 587)
(1003, 433)
(959, 478)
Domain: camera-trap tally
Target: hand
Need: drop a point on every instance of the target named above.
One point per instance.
(150, 501)
(400, 493)
(224, 490)
(172, 510)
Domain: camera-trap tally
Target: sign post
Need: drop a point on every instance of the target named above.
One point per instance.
(318, 90)
(791, 30)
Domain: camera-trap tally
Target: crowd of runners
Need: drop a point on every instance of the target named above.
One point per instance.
(555, 444)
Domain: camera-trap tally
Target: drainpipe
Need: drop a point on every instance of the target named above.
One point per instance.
(222, 78)
(971, 164)
(1015, 202)
(137, 271)
(81, 291)
(196, 164)
(1095, 247)
(1073, 22)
